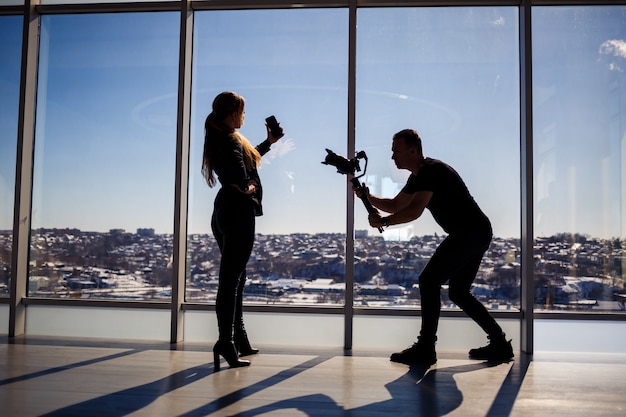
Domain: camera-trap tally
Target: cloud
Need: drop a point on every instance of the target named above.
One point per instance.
(614, 48)
(499, 21)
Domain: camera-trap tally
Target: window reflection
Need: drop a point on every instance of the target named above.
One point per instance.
(579, 89)
(11, 52)
(105, 155)
(292, 64)
(452, 74)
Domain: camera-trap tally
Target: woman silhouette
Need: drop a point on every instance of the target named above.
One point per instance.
(229, 155)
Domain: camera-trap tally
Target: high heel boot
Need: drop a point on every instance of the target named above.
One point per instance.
(240, 335)
(228, 351)
(241, 341)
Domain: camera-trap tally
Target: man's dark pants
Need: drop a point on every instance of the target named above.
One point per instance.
(456, 260)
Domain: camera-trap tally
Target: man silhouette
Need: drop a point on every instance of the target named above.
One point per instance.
(438, 187)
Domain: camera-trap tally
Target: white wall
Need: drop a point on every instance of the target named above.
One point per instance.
(98, 322)
(312, 330)
(580, 336)
(319, 330)
(400, 332)
(4, 319)
(316, 330)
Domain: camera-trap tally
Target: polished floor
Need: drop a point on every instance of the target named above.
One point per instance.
(87, 378)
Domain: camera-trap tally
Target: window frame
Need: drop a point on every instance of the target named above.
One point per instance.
(32, 10)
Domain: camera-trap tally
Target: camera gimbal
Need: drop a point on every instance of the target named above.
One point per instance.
(349, 167)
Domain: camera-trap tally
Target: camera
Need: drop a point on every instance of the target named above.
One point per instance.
(349, 167)
(275, 128)
(344, 165)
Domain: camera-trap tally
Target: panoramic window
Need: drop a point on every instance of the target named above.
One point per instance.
(11, 53)
(103, 193)
(291, 64)
(579, 91)
(451, 74)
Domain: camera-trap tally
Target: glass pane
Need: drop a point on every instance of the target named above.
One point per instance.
(292, 64)
(105, 156)
(451, 74)
(579, 93)
(11, 53)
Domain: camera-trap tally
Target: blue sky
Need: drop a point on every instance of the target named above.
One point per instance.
(107, 106)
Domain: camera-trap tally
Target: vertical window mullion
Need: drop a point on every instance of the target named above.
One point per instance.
(24, 170)
(527, 298)
(181, 193)
(349, 281)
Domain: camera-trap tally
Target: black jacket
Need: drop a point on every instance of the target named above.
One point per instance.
(229, 166)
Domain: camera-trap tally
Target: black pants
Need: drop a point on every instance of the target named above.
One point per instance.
(456, 260)
(233, 224)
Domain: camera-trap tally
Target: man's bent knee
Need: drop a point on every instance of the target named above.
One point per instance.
(459, 296)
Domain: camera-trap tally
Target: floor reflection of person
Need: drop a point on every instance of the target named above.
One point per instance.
(230, 156)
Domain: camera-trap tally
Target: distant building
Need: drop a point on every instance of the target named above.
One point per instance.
(323, 285)
(148, 232)
(36, 283)
(80, 283)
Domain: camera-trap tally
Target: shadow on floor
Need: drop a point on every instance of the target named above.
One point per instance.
(422, 391)
(62, 368)
(124, 402)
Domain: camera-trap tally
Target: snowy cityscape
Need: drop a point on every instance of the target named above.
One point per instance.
(572, 272)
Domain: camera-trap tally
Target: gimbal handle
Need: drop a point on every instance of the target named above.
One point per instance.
(365, 199)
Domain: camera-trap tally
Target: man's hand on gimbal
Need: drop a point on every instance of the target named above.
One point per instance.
(358, 191)
(375, 220)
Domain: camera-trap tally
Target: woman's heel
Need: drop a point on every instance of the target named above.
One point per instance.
(242, 344)
(216, 360)
(228, 351)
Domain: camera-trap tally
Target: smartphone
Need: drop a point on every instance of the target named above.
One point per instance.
(275, 128)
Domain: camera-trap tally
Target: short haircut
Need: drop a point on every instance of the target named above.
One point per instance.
(411, 138)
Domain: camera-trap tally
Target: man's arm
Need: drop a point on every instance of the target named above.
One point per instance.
(388, 205)
(404, 207)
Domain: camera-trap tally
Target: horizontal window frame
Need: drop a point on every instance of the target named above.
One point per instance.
(357, 311)
(68, 302)
(339, 310)
(104, 7)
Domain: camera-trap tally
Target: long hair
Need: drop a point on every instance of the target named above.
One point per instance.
(225, 105)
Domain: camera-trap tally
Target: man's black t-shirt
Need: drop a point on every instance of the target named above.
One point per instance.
(451, 204)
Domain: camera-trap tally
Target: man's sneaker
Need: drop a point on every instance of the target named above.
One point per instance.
(497, 350)
(419, 353)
